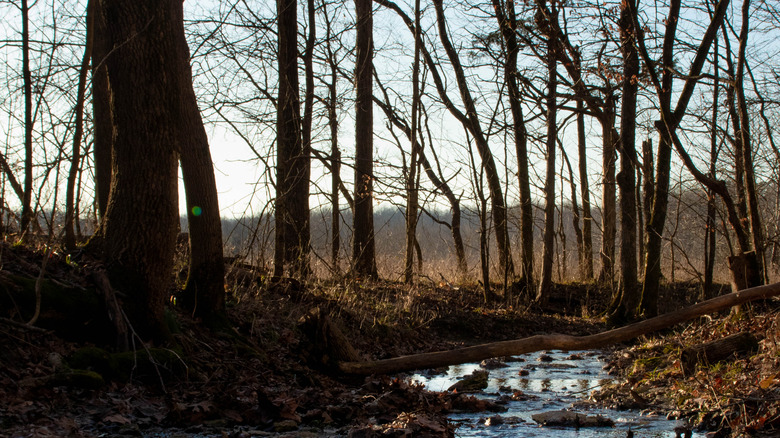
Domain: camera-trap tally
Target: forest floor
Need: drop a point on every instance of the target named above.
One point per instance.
(266, 376)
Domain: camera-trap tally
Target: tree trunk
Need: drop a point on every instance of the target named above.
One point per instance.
(660, 193)
(608, 201)
(75, 165)
(363, 243)
(586, 256)
(27, 211)
(507, 21)
(101, 113)
(335, 154)
(667, 127)
(628, 307)
(291, 244)
(204, 290)
(141, 220)
(709, 230)
(549, 183)
(412, 183)
(753, 213)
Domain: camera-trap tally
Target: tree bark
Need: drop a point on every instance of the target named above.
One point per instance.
(363, 243)
(292, 241)
(608, 198)
(630, 294)
(753, 213)
(204, 290)
(141, 219)
(557, 341)
(101, 113)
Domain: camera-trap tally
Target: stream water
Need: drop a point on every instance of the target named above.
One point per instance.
(565, 382)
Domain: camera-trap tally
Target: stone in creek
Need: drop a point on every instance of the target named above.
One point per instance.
(491, 364)
(474, 382)
(571, 419)
(496, 420)
(545, 358)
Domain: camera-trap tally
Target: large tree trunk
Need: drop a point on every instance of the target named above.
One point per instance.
(363, 243)
(557, 341)
(291, 244)
(204, 291)
(141, 220)
(551, 143)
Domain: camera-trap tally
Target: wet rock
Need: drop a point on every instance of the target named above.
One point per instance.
(575, 356)
(571, 419)
(523, 372)
(545, 358)
(491, 364)
(474, 382)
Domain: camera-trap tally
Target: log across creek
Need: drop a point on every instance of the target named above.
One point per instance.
(556, 341)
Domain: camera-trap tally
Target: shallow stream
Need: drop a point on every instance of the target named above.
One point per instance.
(564, 380)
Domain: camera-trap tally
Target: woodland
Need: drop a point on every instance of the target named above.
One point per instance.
(432, 183)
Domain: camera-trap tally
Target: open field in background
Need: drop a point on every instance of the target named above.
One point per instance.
(683, 257)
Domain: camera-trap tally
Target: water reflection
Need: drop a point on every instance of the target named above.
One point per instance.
(553, 383)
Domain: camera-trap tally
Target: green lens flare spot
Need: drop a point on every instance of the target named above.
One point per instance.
(196, 211)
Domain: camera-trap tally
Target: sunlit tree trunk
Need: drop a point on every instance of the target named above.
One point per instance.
(608, 198)
(753, 213)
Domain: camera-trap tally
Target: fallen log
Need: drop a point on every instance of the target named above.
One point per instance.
(557, 341)
(717, 350)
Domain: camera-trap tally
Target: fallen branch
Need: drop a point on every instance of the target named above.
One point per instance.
(558, 341)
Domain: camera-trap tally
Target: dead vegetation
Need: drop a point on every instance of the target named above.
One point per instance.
(267, 376)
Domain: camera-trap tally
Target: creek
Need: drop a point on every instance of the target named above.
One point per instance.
(560, 381)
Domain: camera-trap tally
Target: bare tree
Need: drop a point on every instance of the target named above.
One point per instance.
(363, 243)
